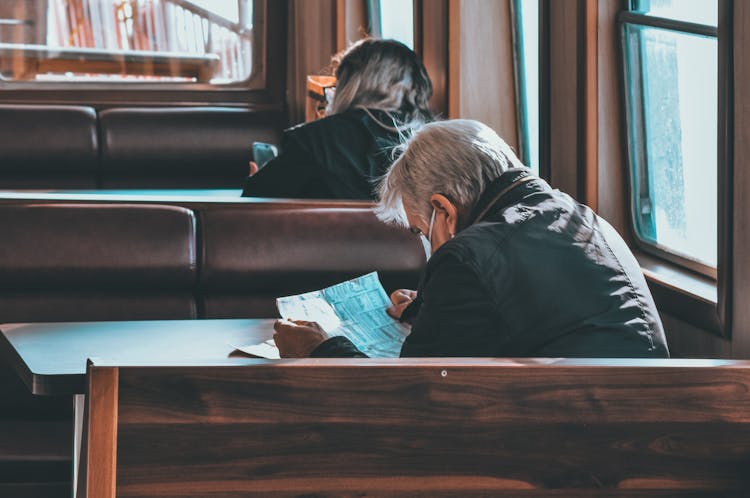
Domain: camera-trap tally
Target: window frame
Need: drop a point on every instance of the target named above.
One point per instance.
(262, 90)
(714, 314)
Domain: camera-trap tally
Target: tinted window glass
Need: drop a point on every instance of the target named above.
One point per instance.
(126, 40)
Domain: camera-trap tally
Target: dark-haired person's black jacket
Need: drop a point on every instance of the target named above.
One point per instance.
(337, 157)
(535, 274)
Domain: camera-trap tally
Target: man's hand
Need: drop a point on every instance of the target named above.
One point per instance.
(298, 338)
(400, 299)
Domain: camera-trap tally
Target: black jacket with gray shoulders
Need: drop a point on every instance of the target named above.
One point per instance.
(536, 274)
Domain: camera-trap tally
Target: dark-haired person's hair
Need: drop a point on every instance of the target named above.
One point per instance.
(385, 75)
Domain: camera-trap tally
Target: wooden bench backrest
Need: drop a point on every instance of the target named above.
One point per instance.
(421, 428)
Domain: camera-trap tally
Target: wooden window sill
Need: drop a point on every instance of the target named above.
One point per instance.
(680, 292)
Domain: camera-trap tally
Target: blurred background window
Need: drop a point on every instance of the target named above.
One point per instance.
(206, 41)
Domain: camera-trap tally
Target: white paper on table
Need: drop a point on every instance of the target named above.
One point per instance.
(355, 309)
(266, 349)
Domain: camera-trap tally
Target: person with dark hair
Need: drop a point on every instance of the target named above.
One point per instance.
(381, 96)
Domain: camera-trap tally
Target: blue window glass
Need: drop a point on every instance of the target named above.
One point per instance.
(396, 21)
(695, 11)
(526, 43)
(672, 97)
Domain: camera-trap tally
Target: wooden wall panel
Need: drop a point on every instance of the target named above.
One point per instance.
(431, 43)
(481, 80)
(741, 249)
(564, 105)
(311, 43)
(351, 22)
(613, 190)
(688, 341)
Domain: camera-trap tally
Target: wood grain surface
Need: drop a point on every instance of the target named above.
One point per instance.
(401, 429)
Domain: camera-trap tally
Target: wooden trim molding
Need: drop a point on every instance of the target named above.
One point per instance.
(725, 174)
(590, 98)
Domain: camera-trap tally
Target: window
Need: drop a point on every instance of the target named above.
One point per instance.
(393, 19)
(526, 44)
(126, 41)
(672, 97)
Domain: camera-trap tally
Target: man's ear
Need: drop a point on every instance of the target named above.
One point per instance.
(443, 205)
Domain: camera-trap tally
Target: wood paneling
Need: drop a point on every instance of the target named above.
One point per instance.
(312, 41)
(565, 109)
(688, 341)
(351, 22)
(431, 43)
(741, 234)
(481, 79)
(435, 428)
(613, 189)
(574, 112)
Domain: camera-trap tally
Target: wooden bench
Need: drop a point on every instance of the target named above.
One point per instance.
(420, 428)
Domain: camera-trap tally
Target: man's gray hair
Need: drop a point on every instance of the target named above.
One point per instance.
(456, 158)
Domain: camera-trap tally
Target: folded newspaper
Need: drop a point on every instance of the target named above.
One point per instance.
(355, 309)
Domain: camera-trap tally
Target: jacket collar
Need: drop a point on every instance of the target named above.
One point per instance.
(508, 189)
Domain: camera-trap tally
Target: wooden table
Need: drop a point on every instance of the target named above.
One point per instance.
(51, 358)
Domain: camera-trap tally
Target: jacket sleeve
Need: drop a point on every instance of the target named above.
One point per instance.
(456, 316)
(337, 347)
(285, 175)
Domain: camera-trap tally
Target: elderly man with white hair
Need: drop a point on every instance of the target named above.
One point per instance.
(517, 269)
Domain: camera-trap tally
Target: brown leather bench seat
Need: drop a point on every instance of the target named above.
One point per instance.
(46, 147)
(251, 256)
(70, 261)
(196, 147)
(78, 147)
(97, 262)
(85, 261)
(80, 262)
